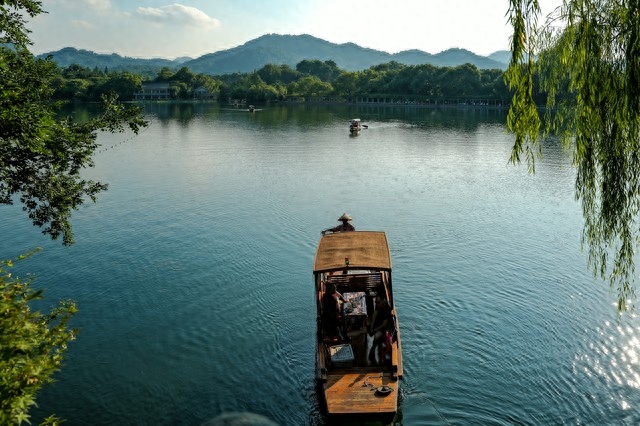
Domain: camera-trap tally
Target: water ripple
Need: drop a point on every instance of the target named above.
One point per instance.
(193, 272)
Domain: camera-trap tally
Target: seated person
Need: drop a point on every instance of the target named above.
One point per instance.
(379, 324)
(332, 308)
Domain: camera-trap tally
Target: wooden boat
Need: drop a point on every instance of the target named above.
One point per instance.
(358, 264)
(355, 126)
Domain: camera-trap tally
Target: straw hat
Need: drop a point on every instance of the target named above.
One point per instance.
(344, 217)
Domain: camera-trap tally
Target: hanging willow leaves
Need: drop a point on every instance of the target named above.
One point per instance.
(586, 58)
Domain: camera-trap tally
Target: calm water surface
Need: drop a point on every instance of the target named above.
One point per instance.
(193, 272)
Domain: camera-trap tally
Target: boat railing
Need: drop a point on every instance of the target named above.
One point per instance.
(359, 282)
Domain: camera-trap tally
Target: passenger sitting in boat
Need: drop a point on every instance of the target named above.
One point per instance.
(343, 227)
(379, 324)
(332, 305)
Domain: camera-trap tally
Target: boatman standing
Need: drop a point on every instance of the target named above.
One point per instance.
(343, 227)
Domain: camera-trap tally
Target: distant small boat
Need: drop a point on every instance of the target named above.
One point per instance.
(252, 108)
(355, 126)
(355, 267)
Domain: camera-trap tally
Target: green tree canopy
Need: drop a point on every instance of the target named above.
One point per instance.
(124, 84)
(41, 156)
(346, 84)
(272, 74)
(463, 80)
(41, 159)
(586, 55)
(310, 86)
(325, 71)
(32, 346)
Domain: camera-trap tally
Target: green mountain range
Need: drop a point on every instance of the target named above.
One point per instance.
(278, 49)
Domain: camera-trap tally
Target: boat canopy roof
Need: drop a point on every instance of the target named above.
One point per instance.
(365, 250)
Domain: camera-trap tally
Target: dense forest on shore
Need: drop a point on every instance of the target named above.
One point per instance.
(310, 79)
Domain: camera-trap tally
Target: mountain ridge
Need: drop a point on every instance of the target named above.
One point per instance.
(279, 49)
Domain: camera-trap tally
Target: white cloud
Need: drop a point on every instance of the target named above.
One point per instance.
(82, 24)
(95, 5)
(178, 14)
(98, 4)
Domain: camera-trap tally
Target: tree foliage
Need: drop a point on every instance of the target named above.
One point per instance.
(276, 82)
(586, 55)
(41, 160)
(13, 15)
(326, 71)
(273, 74)
(310, 86)
(42, 156)
(32, 345)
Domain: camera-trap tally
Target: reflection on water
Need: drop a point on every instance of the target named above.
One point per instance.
(613, 361)
(193, 271)
(321, 115)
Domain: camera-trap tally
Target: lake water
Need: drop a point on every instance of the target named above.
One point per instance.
(193, 272)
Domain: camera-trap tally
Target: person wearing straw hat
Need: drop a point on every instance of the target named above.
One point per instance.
(345, 226)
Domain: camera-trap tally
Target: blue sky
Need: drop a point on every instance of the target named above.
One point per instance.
(162, 29)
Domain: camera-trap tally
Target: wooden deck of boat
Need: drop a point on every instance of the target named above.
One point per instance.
(347, 394)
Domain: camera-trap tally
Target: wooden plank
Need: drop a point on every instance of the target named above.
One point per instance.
(399, 360)
(321, 363)
(354, 393)
(396, 360)
(396, 352)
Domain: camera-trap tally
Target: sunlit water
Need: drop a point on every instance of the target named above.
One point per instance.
(193, 272)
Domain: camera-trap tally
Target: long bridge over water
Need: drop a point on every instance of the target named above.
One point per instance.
(407, 100)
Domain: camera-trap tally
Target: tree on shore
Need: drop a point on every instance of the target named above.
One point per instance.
(586, 55)
(41, 156)
(41, 160)
(32, 345)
